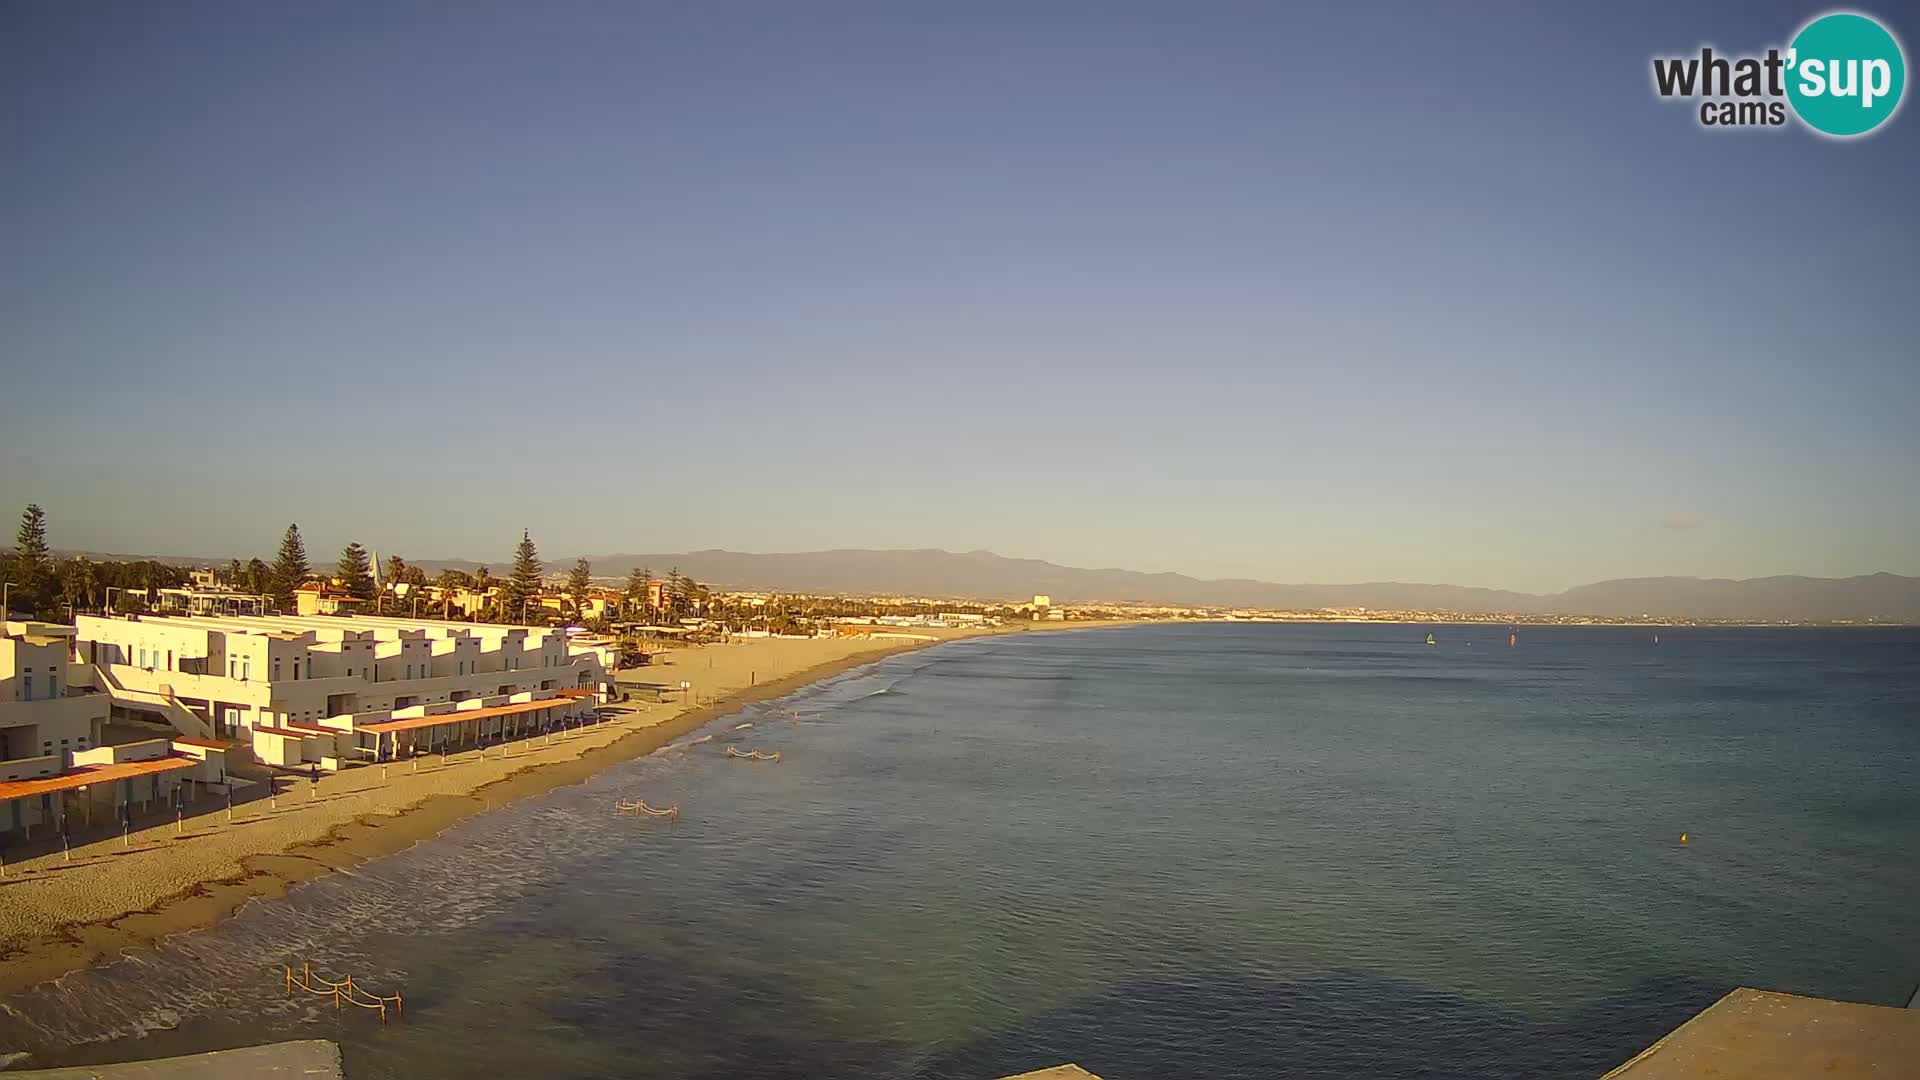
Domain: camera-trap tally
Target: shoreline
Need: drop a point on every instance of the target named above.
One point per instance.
(72, 945)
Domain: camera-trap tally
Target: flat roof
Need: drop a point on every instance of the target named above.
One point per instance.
(1760, 1035)
(83, 775)
(210, 744)
(462, 715)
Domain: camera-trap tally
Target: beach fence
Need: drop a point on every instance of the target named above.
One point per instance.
(753, 755)
(343, 992)
(639, 808)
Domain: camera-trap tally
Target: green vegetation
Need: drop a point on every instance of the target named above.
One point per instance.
(355, 572)
(579, 582)
(290, 569)
(43, 588)
(523, 584)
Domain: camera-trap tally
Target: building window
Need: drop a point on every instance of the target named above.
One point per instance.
(233, 667)
(53, 686)
(246, 668)
(26, 684)
(276, 669)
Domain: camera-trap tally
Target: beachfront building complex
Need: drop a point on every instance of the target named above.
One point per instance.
(54, 764)
(298, 689)
(44, 711)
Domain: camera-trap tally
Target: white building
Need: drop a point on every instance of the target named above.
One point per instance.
(44, 710)
(325, 690)
(52, 763)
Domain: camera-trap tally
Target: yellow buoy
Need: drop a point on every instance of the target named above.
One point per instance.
(1683, 838)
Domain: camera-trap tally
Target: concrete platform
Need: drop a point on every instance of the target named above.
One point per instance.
(307, 1059)
(1757, 1035)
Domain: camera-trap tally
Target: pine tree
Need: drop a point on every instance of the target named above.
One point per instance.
(356, 571)
(579, 581)
(677, 593)
(524, 583)
(31, 569)
(290, 569)
(639, 587)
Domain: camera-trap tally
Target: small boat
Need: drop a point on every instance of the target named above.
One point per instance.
(1512, 640)
(1430, 640)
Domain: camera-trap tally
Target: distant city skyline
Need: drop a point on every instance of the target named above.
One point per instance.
(1111, 285)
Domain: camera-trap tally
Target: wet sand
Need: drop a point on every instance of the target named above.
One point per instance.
(58, 916)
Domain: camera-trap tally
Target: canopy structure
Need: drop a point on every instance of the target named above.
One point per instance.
(461, 716)
(88, 775)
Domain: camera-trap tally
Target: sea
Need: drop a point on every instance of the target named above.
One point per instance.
(1213, 850)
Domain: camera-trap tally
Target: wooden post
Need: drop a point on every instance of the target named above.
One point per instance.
(289, 968)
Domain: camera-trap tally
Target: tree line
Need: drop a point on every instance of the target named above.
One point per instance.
(39, 586)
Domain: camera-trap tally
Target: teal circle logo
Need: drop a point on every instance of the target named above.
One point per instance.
(1845, 74)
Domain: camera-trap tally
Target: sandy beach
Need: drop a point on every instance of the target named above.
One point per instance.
(59, 914)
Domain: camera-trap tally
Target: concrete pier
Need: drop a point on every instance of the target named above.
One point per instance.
(1758, 1035)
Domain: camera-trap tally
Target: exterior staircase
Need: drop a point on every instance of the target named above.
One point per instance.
(184, 720)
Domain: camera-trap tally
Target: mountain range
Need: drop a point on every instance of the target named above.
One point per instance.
(986, 576)
(983, 575)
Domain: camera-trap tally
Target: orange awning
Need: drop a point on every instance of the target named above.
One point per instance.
(86, 775)
(384, 727)
(577, 693)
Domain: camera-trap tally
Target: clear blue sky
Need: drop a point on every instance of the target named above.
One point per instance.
(1230, 289)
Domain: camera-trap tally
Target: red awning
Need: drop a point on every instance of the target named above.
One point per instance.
(461, 716)
(86, 775)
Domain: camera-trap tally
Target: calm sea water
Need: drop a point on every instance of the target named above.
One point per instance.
(1231, 851)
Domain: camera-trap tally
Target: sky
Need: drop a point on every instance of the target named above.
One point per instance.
(1421, 292)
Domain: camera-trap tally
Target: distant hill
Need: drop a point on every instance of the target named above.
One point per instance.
(982, 575)
(986, 576)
